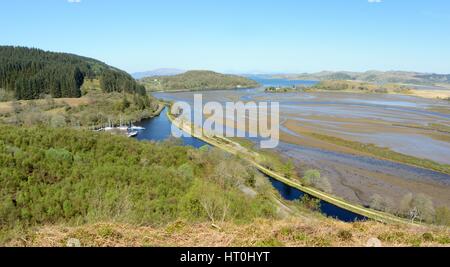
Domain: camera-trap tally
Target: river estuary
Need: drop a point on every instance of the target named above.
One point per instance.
(397, 122)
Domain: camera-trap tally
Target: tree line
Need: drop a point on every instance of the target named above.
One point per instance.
(33, 73)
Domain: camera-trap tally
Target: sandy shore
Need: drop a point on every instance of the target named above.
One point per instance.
(440, 94)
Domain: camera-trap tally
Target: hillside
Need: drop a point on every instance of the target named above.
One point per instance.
(28, 73)
(197, 80)
(375, 77)
(111, 191)
(76, 177)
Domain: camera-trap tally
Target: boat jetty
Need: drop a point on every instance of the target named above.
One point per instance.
(129, 130)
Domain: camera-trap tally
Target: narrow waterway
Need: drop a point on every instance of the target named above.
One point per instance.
(160, 129)
(391, 121)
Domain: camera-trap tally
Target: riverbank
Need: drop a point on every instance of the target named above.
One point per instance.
(373, 151)
(253, 157)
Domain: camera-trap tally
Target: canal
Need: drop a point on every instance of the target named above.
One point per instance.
(160, 128)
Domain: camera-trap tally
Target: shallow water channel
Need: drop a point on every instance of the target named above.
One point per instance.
(160, 129)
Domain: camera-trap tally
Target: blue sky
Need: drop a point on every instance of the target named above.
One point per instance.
(238, 35)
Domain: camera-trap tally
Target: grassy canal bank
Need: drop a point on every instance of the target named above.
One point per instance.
(255, 159)
(383, 153)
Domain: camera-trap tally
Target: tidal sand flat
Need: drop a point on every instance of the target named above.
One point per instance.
(404, 124)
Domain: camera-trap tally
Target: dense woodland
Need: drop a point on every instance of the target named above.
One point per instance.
(197, 80)
(33, 73)
(59, 176)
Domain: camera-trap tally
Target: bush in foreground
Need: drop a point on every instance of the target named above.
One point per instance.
(64, 176)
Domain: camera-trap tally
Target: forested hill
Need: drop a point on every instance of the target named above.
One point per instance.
(197, 80)
(33, 73)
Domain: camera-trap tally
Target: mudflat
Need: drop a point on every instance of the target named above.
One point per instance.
(409, 125)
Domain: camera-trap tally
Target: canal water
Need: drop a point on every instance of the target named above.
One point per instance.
(160, 128)
(268, 81)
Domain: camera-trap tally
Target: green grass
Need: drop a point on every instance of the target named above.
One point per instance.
(432, 127)
(90, 85)
(384, 153)
(270, 159)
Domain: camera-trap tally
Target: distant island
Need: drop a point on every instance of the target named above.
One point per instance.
(157, 72)
(353, 86)
(197, 81)
(434, 86)
(293, 89)
(348, 86)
